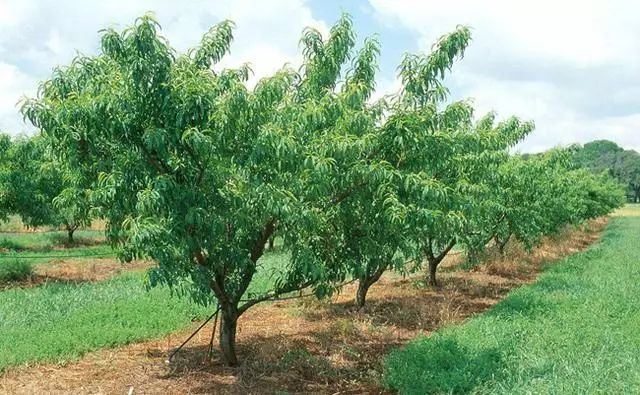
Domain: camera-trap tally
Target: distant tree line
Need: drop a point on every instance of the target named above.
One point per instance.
(40, 189)
(606, 156)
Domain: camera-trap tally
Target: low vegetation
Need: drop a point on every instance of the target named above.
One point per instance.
(305, 345)
(60, 321)
(37, 255)
(14, 270)
(573, 331)
(63, 319)
(47, 241)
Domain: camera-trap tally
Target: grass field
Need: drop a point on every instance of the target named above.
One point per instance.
(58, 321)
(46, 241)
(629, 210)
(43, 246)
(573, 331)
(38, 256)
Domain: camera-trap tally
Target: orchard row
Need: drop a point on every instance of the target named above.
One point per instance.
(196, 169)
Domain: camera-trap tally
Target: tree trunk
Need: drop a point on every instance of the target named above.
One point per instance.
(434, 260)
(70, 235)
(361, 294)
(366, 281)
(433, 266)
(503, 243)
(228, 325)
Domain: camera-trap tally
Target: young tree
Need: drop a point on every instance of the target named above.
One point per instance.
(195, 171)
(40, 190)
(5, 162)
(435, 160)
(441, 153)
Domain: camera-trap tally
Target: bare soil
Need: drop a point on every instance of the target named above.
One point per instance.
(305, 346)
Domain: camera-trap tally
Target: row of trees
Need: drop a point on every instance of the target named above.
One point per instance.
(40, 189)
(623, 165)
(195, 170)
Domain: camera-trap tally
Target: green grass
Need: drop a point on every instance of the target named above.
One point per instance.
(629, 210)
(41, 247)
(576, 330)
(57, 322)
(39, 257)
(46, 241)
(15, 270)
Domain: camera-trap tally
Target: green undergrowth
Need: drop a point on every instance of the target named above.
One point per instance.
(38, 257)
(57, 322)
(573, 331)
(15, 270)
(47, 241)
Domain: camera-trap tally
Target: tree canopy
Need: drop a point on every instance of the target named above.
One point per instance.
(38, 188)
(606, 156)
(196, 170)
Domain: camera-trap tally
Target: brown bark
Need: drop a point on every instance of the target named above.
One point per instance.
(70, 231)
(365, 282)
(229, 303)
(433, 266)
(434, 260)
(228, 325)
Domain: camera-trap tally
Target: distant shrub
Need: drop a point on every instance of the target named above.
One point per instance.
(15, 270)
(8, 244)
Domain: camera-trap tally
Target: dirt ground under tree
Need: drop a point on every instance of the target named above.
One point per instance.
(303, 345)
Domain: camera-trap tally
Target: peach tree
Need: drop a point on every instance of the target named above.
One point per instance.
(195, 171)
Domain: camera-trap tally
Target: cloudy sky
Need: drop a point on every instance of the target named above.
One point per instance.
(571, 66)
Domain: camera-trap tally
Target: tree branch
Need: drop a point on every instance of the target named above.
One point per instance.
(273, 295)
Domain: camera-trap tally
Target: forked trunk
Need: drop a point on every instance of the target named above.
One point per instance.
(228, 325)
(434, 260)
(365, 282)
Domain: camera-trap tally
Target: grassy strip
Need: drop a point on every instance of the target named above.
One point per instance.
(60, 321)
(46, 241)
(573, 331)
(16, 270)
(57, 322)
(37, 257)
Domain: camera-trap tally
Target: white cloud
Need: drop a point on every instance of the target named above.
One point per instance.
(13, 85)
(36, 36)
(571, 66)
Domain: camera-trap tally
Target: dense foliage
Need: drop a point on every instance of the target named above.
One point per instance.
(39, 189)
(532, 196)
(606, 156)
(197, 171)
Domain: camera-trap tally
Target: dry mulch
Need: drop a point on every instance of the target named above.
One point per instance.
(305, 346)
(90, 269)
(76, 271)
